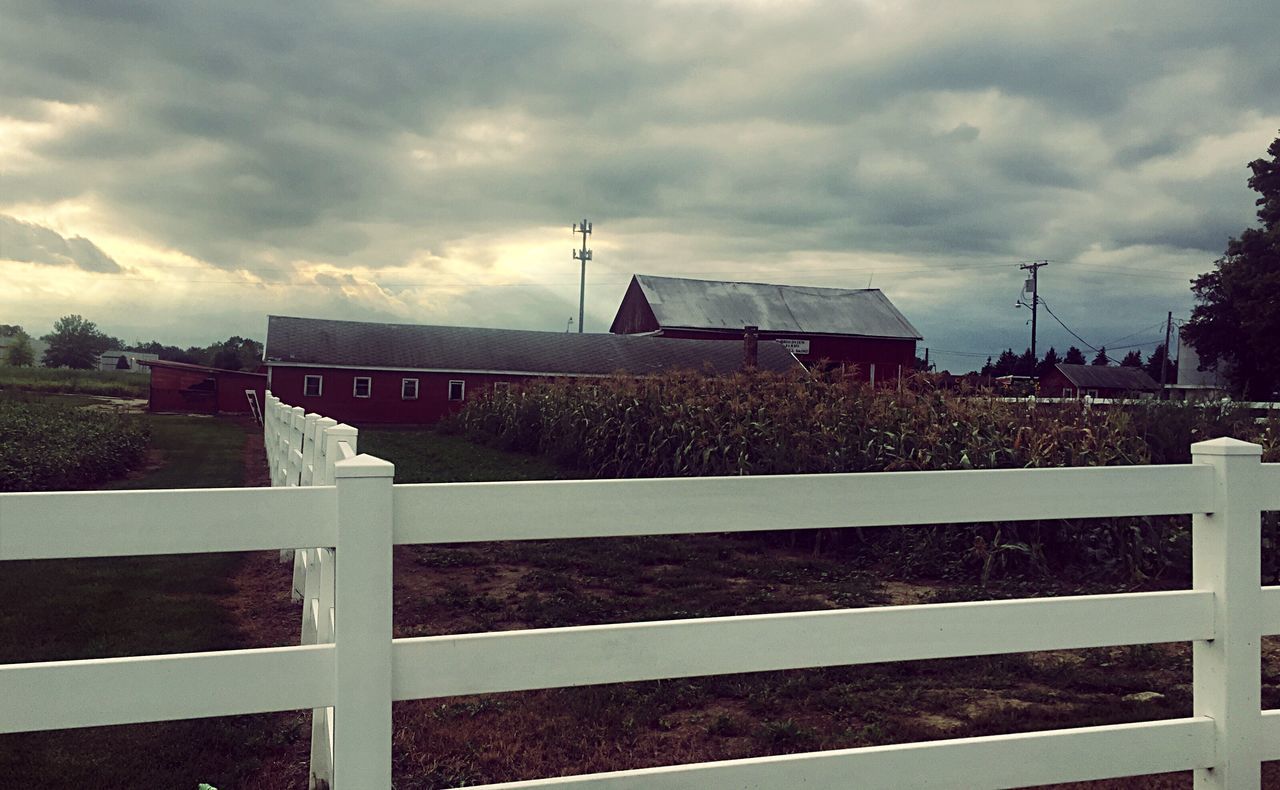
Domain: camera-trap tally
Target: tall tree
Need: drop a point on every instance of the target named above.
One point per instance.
(1046, 365)
(1026, 364)
(1006, 364)
(21, 355)
(75, 343)
(1074, 357)
(1132, 360)
(1102, 358)
(1157, 359)
(1236, 323)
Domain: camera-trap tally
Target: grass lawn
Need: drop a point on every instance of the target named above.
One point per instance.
(67, 609)
(430, 457)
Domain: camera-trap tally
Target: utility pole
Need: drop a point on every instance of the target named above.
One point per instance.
(583, 255)
(1034, 282)
(1164, 363)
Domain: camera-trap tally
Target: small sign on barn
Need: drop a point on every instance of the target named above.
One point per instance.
(795, 346)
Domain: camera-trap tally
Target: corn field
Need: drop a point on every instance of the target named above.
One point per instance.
(689, 425)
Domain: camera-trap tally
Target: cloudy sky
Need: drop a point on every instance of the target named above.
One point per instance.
(177, 170)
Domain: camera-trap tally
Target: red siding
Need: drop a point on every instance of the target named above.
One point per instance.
(634, 314)
(384, 404)
(887, 354)
(175, 389)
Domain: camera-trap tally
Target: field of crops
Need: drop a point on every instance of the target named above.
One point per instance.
(85, 382)
(691, 425)
(50, 447)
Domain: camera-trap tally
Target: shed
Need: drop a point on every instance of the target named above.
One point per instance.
(1099, 381)
(362, 372)
(859, 329)
(179, 387)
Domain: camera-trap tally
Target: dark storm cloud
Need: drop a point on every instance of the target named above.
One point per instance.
(368, 134)
(30, 243)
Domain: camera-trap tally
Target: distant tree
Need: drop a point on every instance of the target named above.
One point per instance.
(1154, 362)
(1046, 365)
(75, 343)
(1236, 321)
(1101, 359)
(988, 369)
(1006, 364)
(21, 355)
(1132, 360)
(1026, 364)
(1074, 357)
(236, 353)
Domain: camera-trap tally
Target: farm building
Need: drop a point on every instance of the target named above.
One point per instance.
(859, 329)
(1098, 381)
(196, 389)
(127, 361)
(360, 372)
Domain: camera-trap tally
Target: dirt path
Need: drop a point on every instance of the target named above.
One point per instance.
(260, 606)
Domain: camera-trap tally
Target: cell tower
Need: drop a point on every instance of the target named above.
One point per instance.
(583, 255)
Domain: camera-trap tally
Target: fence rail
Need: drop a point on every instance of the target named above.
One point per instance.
(328, 504)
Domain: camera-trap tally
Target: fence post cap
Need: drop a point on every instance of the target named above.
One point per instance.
(1226, 446)
(364, 466)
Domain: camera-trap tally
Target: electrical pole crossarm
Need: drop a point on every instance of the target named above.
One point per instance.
(582, 255)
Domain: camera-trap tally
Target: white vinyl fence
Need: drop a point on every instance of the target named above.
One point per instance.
(355, 670)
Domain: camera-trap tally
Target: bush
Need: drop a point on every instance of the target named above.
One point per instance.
(46, 447)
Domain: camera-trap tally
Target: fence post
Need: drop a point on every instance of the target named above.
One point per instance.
(268, 429)
(362, 625)
(1226, 559)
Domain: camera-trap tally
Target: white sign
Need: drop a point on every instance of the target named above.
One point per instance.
(795, 346)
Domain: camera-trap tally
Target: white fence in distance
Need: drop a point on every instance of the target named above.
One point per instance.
(355, 669)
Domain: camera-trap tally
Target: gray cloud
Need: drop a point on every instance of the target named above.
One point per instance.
(369, 134)
(30, 243)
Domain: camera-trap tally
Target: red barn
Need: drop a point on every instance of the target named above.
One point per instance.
(179, 387)
(858, 328)
(359, 372)
(1098, 381)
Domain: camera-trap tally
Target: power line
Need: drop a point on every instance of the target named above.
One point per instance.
(1070, 331)
(1131, 334)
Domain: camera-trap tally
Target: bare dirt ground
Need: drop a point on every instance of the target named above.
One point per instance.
(440, 743)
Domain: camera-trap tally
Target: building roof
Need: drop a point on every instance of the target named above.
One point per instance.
(317, 341)
(713, 304)
(165, 363)
(1105, 376)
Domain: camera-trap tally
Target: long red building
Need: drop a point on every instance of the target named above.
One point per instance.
(858, 329)
(359, 372)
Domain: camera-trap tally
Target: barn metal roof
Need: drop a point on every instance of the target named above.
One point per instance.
(713, 304)
(318, 341)
(1105, 376)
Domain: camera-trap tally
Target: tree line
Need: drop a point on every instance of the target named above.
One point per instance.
(1025, 364)
(76, 342)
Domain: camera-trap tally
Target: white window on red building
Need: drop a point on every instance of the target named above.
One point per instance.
(457, 389)
(312, 386)
(408, 389)
(362, 387)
